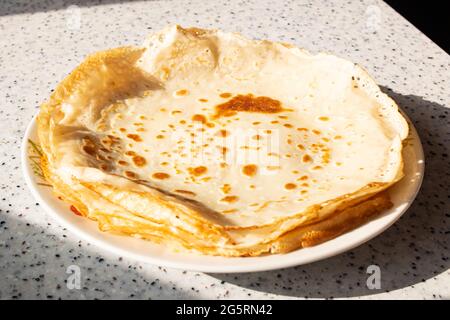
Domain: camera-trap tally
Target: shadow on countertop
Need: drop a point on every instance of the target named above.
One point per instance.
(34, 265)
(413, 250)
(10, 7)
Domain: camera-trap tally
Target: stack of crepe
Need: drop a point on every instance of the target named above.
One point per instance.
(208, 142)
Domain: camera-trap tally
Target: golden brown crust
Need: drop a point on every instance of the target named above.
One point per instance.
(339, 223)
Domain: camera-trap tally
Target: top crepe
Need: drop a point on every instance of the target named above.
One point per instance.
(226, 142)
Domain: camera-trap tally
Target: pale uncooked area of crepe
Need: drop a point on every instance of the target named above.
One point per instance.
(135, 140)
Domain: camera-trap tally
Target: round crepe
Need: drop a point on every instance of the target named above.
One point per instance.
(215, 143)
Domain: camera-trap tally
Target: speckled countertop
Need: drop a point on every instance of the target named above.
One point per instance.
(41, 41)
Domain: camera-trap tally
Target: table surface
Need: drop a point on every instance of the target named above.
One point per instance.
(41, 41)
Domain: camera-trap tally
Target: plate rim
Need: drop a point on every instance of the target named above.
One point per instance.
(207, 267)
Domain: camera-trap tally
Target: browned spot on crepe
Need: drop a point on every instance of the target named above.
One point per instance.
(161, 175)
(225, 95)
(250, 169)
(130, 174)
(290, 186)
(230, 199)
(248, 103)
(134, 137)
(199, 117)
(198, 171)
(139, 161)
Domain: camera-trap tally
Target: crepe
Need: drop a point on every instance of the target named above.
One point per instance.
(209, 142)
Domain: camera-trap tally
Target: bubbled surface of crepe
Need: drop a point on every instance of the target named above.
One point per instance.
(255, 137)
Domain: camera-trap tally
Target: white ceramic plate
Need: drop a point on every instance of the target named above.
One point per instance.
(402, 195)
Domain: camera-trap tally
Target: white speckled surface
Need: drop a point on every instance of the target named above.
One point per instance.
(38, 48)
